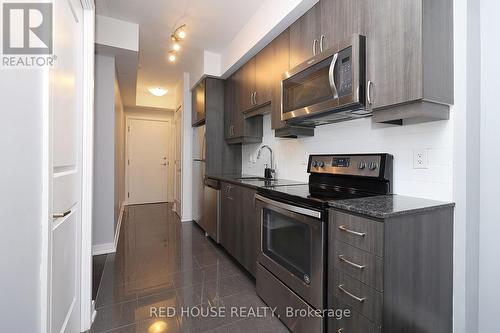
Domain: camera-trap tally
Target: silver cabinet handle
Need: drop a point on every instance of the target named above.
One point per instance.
(251, 99)
(321, 43)
(314, 46)
(354, 297)
(331, 76)
(352, 232)
(59, 215)
(342, 258)
(255, 97)
(369, 92)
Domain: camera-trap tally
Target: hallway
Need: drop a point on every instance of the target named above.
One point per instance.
(161, 263)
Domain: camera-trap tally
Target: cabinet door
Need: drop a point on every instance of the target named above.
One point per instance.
(227, 219)
(281, 63)
(303, 33)
(394, 60)
(198, 104)
(263, 78)
(241, 101)
(340, 19)
(250, 218)
(229, 108)
(246, 86)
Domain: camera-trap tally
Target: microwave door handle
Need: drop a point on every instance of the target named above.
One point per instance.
(331, 76)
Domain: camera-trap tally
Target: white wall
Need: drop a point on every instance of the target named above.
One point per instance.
(108, 155)
(117, 33)
(119, 163)
(21, 100)
(362, 136)
(187, 151)
(489, 249)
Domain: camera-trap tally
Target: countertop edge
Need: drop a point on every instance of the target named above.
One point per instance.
(344, 206)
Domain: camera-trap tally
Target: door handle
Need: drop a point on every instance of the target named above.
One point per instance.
(59, 215)
(369, 92)
(321, 43)
(331, 76)
(342, 258)
(352, 232)
(351, 295)
(314, 46)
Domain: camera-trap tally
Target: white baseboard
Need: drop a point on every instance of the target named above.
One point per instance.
(94, 313)
(119, 225)
(110, 247)
(103, 249)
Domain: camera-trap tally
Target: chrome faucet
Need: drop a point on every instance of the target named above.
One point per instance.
(271, 167)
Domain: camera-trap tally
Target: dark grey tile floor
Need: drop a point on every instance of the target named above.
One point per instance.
(163, 264)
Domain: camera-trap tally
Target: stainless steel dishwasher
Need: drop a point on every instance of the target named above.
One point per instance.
(211, 208)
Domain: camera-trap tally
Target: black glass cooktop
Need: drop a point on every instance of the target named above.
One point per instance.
(311, 196)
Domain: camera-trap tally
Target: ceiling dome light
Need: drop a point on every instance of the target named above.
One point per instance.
(157, 91)
(172, 57)
(176, 47)
(182, 34)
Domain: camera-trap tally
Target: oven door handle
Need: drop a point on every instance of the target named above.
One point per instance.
(331, 76)
(295, 209)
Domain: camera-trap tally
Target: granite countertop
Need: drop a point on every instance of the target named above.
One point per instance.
(385, 206)
(253, 181)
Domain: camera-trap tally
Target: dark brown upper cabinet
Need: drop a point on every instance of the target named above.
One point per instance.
(253, 81)
(198, 104)
(340, 19)
(280, 59)
(237, 128)
(305, 36)
(281, 63)
(409, 55)
(410, 59)
(263, 76)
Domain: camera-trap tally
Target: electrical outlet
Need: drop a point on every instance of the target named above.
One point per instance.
(420, 159)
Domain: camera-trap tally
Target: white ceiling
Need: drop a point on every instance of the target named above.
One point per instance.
(211, 26)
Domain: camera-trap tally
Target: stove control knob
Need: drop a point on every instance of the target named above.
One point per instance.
(321, 164)
(361, 165)
(372, 165)
(314, 164)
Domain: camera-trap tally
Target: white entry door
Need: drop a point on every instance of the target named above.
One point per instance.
(65, 161)
(148, 161)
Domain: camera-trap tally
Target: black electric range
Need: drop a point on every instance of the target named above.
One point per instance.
(293, 230)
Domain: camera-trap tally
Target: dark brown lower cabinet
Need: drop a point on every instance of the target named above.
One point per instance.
(238, 224)
(394, 275)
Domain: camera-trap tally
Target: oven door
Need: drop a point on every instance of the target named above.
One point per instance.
(292, 247)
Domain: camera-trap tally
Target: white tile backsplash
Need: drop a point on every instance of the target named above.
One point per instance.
(363, 136)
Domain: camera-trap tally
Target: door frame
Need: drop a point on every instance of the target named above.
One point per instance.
(170, 188)
(86, 68)
(87, 306)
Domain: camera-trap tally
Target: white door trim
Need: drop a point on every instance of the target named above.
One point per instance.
(170, 168)
(86, 306)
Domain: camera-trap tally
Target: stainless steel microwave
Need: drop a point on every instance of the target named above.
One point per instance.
(328, 87)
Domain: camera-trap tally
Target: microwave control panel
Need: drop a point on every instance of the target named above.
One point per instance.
(343, 72)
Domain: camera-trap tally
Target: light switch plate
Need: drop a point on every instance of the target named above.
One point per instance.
(420, 159)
